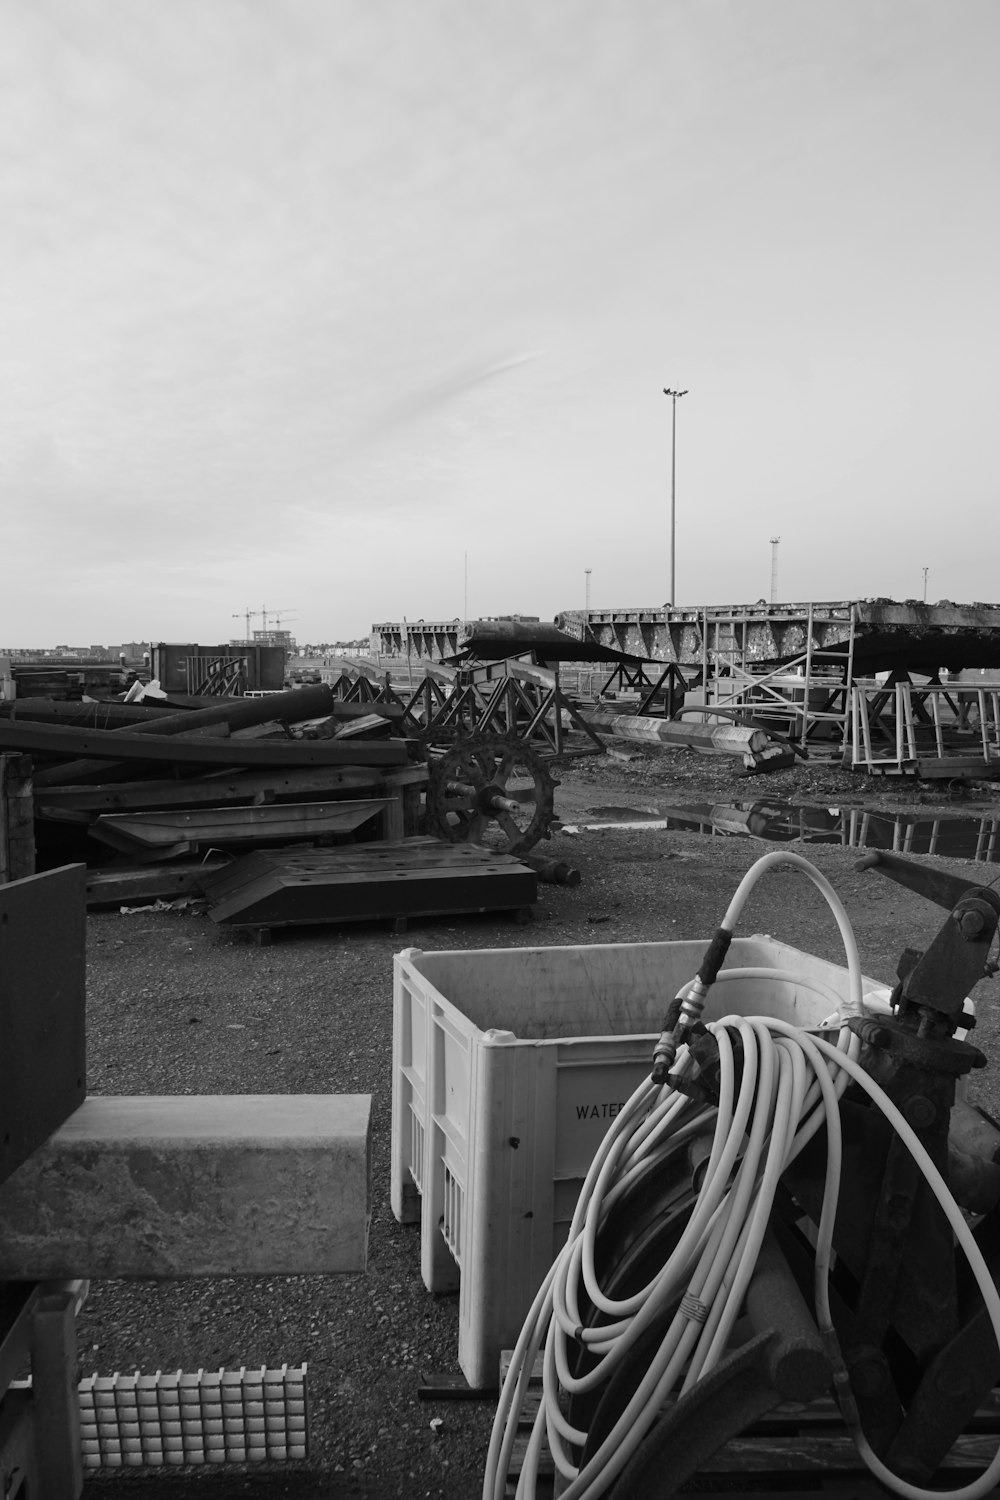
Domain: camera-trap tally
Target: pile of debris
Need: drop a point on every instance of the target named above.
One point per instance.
(165, 795)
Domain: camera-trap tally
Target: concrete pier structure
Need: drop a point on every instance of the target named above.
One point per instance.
(878, 635)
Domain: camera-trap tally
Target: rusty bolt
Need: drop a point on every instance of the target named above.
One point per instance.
(920, 1112)
(873, 1034)
(971, 923)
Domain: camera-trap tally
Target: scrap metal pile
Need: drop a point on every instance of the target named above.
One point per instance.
(161, 796)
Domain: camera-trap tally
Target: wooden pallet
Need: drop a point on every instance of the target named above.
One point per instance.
(796, 1450)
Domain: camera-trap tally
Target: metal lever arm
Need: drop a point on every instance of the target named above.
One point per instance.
(943, 890)
(957, 958)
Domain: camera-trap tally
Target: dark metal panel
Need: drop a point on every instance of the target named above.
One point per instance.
(493, 640)
(227, 825)
(412, 878)
(42, 1008)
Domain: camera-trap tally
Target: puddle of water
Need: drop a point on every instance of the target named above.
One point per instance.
(951, 837)
(633, 815)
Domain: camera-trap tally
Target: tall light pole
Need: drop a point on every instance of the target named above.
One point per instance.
(587, 576)
(674, 398)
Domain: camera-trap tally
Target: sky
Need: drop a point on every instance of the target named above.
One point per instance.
(363, 310)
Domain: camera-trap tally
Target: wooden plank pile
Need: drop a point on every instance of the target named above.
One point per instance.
(151, 795)
(279, 809)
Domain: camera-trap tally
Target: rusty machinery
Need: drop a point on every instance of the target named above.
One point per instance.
(862, 1257)
(490, 790)
(487, 748)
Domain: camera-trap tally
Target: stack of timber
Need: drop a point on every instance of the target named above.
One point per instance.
(154, 796)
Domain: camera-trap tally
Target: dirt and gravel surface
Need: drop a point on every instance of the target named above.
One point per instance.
(177, 1006)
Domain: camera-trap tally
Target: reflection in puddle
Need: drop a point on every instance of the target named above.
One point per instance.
(779, 822)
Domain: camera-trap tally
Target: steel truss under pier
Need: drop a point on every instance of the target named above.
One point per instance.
(793, 666)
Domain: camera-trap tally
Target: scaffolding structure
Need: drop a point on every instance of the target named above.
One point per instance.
(935, 729)
(805, 696)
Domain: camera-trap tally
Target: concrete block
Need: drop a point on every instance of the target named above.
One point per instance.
(193, 1185)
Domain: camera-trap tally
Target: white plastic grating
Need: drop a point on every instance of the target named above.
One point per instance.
(226, 1416)
(416, 1149)
(451, 1226)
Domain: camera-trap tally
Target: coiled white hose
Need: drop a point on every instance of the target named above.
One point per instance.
(790, 1086)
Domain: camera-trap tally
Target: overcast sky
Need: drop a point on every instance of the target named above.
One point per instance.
(357, 310)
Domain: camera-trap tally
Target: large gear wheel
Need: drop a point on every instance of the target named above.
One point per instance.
(490, 791)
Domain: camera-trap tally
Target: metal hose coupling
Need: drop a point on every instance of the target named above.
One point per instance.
(682, 1016)
(679, 1021)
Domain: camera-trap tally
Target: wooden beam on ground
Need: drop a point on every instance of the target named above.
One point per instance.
(210, 790)
(126, 745)
(238, 713)
(140, 884)
(88, 713)
(194, 1185)
(17, 818)
(404, 789)
(728, 739)
(342, 710)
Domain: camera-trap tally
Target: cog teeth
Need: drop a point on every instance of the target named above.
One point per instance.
(482, 756)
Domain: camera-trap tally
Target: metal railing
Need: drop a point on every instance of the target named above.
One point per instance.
(221, 676)
(904, 726)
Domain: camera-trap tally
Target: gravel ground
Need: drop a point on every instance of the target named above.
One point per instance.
(177, 1006)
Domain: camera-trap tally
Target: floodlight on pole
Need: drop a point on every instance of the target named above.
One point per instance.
(586, 572)
(774, 568)
(674, 398)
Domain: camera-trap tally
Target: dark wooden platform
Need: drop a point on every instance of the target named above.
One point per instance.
(411, 878)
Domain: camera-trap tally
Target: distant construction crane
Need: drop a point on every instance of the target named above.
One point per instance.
(251, 614)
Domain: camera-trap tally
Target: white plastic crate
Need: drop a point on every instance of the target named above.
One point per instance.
(508, 1067)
